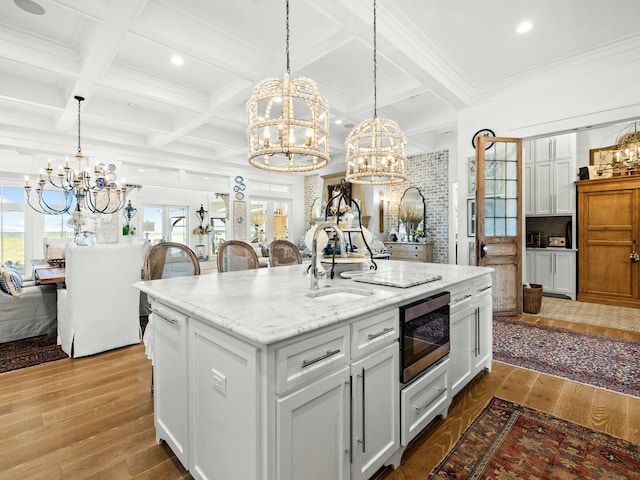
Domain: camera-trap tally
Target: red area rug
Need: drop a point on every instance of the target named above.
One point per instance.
(29, 352)
(508, 441)
(598, 360)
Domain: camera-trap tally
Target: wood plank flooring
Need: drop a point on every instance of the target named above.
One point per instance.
(92, 418)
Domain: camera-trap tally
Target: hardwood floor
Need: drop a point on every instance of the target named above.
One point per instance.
(92, 418)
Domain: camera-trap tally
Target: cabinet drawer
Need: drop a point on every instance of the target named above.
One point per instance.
(423, 400)
(371, 332)
(482, 285)
(300, 362)
(461, 296)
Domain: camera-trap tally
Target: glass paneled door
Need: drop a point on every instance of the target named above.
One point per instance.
(499, 218)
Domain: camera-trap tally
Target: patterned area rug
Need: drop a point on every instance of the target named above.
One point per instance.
(511, 442)
(589, 358)
(29, 352)
(36, 350)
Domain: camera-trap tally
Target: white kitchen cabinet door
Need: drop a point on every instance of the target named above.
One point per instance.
(544, 269)
(224, 406)
(483, 332)
(529, 189)
(564, 188)
(543, 149)
(376, 411)
(543, 185)
(170, 380)
(565, 273)
(564, 146)
(530, 273)
(461, 335)
(313, 430)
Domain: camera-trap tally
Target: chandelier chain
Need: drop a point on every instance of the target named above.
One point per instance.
(79, 101)
(375, 65)
(287, 47)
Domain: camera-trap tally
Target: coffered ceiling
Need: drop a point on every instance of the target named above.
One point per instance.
(434, 58)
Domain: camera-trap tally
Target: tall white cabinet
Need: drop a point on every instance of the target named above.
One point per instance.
(549, 191)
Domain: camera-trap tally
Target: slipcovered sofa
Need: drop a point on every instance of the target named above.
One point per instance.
(31, 314)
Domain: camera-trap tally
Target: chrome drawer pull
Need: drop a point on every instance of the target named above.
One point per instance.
(330, 353)
(172, 321)
(456, 300)
(371, 336)
(485, 288)
(419, 410)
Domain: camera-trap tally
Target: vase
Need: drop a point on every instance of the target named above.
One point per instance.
(86, 239)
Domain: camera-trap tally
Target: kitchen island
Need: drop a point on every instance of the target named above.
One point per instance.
(259, 377)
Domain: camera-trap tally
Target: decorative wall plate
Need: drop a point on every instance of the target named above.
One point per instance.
(239, 179)
(112, 167)
(239, 196)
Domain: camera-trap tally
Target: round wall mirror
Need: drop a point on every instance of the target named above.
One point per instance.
(411, 213)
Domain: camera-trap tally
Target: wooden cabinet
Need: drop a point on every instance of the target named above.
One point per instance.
(554, 269)
(608, 231)
(417, 252)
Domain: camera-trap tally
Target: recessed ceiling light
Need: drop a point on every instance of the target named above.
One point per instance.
(338, 122)
(29, 6)
(141, 169)
(524, 27)
(177, 60)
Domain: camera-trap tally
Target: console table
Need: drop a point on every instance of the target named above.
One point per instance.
(412, 251)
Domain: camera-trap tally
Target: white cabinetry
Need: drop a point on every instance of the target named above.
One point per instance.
(346, 423)
(471, 332)
(170, 379)
(555, 270)
(549, 187)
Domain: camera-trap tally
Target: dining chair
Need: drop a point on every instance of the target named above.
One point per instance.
(164, 260)
(234, 255)
(283, 252)
(170, 259)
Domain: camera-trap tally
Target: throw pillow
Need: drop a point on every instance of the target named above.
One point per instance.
(10, 279)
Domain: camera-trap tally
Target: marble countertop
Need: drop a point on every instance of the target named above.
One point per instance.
(268, 305)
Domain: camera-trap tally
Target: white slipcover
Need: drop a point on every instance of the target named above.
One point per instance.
(99, 309)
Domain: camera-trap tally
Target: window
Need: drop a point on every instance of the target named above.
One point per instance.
(12, 226)
(165, 222)
(265, 226)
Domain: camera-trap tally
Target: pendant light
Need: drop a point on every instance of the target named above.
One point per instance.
(375, 148)
(288, 123)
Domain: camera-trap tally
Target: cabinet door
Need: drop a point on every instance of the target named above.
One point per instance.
(543, 149)
(376, 411)
(565, 273)
(170, 381)
(528, 187)
(564, 146)
(313, 430)
(544, 269)
(543, 185)
(461, 334)
(564, 188)
(483, 333)
(530, 273)
(224, 405)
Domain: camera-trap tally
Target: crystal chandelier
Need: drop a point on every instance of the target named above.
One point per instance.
(80, 191)
(288, 123)
(375, 148)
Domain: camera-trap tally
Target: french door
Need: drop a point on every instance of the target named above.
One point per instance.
(499, 218)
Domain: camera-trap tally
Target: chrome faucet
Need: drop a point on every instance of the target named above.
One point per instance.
(313, 269)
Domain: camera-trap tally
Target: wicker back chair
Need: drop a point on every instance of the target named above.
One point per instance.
(169, 259)
(236, 255)
(283, 252)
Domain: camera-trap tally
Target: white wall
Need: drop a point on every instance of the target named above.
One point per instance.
(601, 96)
